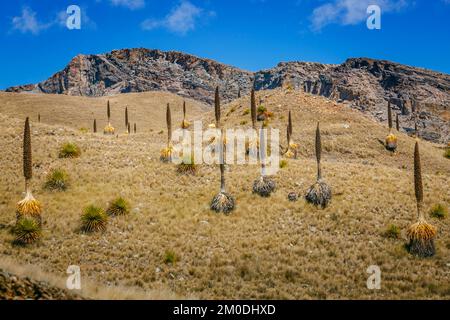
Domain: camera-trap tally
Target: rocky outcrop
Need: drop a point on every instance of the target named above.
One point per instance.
(418, 95)
(137, 70)
(16, 288)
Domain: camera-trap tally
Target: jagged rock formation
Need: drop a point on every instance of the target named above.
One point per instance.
(14, 288)
(366, 84)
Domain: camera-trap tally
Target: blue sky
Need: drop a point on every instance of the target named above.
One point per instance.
(250, 34)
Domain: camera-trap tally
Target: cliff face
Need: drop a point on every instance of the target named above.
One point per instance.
(366, 84)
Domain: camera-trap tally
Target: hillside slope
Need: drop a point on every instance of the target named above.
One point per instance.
(268, 248)
(418, 95)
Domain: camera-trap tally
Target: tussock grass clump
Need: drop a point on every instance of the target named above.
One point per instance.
(166, 153)
(319, 194)
(420, 234)
(392, 231)
(57, 179)
(439, 211)
(29, 206)
(118, 207)
(26, 231)
(222, 202)
(391, 139)
(93, 219)
(283, 164)
(187, 166)
(69, 150)
(109, 129)
(170, 257)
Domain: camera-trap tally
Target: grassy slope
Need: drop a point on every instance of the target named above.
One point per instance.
(268, 248)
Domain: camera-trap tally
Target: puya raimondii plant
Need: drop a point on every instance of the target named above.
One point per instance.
(29, 206)
(391, 139)
(292, 147)
(222, 202)
(319, 193)
(264, 185)
(421, 234)
(166, 153)
(109, 129)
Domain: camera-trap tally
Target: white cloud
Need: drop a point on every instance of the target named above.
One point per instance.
(131, 4)
(349, 12)
(182, 19)
(28, 22)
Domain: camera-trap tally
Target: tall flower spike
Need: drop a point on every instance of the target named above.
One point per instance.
(108, 111)
(169, 124)
(319, 193)
(95, 126)
(397, 123)
(253, 108)
(290, 125)
(217, 107)
(27, 160)
(418, 186)
(126, 116)
(318, 152)
(389, 116)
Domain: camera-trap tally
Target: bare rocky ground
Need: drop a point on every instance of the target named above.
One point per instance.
(19, 288)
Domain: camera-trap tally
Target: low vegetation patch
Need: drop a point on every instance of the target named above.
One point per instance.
(439, 211)
(57, 180)
(93, 219)
(69, 150)
(26, 231)
(118, 207)
(392, 231)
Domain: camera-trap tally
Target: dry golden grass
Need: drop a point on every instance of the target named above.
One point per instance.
(267, 248)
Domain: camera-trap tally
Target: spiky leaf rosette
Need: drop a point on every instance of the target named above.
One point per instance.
(109, 129)
(391, 142)
(118, 207)
(319, 194)
(421, 239)
(185, 124)
(222, 202)
(69, 150)
(187, 166)
(26, 231)
(289, 128)
(93, 219)
(264, 186)
(217, 107)
(58, 180)
(253, 108)
(27, 160)
(29, 207)
(166, 154)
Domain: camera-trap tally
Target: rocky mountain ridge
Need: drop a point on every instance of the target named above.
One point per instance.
(417, 95)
